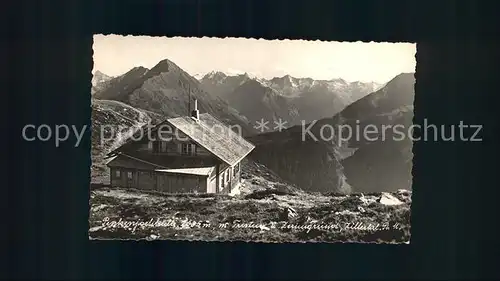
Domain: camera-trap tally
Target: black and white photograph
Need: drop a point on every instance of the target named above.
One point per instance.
(236, 139)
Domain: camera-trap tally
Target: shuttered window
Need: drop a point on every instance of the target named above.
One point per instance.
(188, 149)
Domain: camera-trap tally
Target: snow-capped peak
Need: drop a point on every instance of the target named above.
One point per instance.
(252, 76)
(198, 76)
(290, 81)
(215, 75)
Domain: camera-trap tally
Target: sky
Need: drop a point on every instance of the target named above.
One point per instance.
(320, 60)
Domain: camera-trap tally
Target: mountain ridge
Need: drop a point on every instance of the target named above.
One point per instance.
(166, 89)
(256, 77)
(302, 99)
(354, 165)
(99, 81)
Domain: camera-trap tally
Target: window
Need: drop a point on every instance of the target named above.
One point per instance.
(188, 149)
(129, 175)
(117, 173)
(163, 146)
(150, 145)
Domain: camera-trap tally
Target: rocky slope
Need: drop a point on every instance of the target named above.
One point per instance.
(165, 89)
(292, 99)
(267, 209)
(313, 157)
(275, 214)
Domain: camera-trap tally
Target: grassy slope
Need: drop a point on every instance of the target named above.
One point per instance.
(266, 204)
(269, 210)
(121, 118)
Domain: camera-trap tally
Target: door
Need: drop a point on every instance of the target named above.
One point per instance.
(130, 179)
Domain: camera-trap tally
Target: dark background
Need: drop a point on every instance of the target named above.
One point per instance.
(48, 49)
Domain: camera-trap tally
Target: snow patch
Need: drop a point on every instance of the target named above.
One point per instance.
(389, 200)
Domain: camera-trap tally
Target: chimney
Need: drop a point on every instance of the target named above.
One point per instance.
(195, 113)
